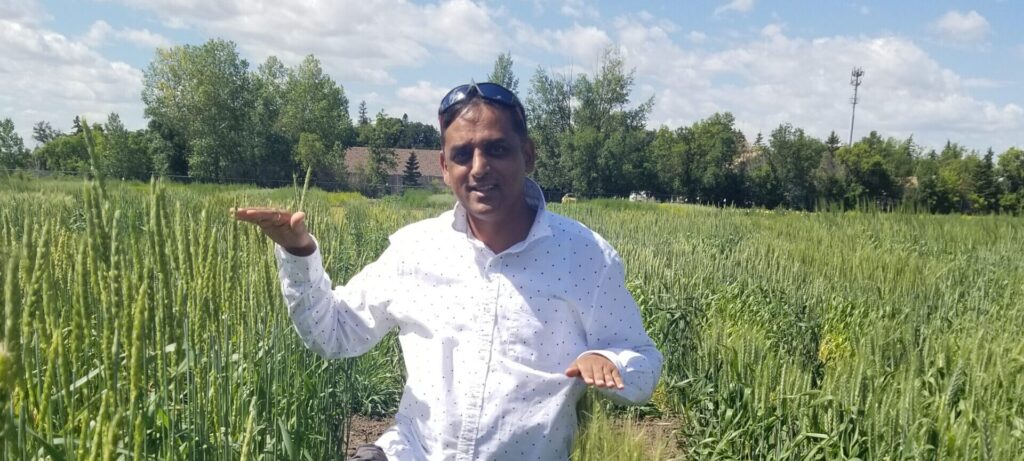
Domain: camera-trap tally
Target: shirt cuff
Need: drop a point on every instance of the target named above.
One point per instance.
(300, 269)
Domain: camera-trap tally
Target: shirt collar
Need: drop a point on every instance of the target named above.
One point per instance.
(534, 199)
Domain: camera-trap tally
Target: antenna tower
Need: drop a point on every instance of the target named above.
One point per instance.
(855, 76)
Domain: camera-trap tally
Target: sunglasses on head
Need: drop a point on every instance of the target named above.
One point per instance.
(489, 91)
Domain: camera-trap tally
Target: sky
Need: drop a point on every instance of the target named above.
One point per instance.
(937, 70)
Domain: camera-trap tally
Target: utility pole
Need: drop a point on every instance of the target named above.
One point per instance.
(855, 76)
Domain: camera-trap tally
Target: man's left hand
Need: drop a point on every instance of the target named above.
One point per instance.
(597, 371)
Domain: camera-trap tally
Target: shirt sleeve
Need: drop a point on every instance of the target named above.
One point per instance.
(345, 321)
(616, 331)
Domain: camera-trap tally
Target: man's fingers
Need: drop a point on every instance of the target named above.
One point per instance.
(264, 216)
(598, 375)
(297, 220)
(617, 378)
(573, 370)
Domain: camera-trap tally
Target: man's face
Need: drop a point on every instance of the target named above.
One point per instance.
(485, 162)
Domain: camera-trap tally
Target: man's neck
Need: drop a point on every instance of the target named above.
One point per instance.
(499, 235)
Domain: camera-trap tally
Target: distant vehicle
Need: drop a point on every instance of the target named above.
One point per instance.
(569, 198)
(642, 196)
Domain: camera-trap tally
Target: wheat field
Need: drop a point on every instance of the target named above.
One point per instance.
(141, 322)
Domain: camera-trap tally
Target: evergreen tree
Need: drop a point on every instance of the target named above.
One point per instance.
(986, 190)
(364, 118)
(411, 175)
(832, 143)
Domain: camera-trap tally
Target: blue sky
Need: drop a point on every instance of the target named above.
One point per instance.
(936, 70)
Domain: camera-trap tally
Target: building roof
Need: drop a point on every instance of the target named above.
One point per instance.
(429, 164)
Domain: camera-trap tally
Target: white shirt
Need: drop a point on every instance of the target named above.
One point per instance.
(486, 337)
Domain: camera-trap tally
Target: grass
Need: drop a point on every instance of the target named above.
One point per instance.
(139, 321)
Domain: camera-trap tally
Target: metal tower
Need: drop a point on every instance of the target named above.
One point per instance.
(855, 76)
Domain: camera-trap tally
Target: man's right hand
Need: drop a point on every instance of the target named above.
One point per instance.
(283, 227)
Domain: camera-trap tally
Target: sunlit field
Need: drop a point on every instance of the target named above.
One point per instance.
(141, 322)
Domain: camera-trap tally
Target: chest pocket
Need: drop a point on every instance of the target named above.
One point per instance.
(540, 331)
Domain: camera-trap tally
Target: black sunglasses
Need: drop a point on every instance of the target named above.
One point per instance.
(490, 91)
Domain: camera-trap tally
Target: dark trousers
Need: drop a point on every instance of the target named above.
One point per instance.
(369, 453)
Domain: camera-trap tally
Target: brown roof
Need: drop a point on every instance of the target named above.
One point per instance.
(430, 166)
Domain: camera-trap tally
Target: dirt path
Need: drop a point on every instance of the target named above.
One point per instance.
(659, 431)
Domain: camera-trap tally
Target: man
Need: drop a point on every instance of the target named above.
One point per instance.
(505, 311)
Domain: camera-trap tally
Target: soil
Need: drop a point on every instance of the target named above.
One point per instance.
(366, 430)
(661, 432)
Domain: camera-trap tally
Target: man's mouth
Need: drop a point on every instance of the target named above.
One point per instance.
(482, 188)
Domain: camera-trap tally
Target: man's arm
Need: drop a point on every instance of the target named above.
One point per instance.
(615, 332)
(343, 322)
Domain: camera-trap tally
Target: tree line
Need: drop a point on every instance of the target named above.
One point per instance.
(212, 118)
(593, 142)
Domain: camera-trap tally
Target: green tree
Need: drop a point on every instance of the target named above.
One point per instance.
(65, 153)
(870, 177)
(382, 158)
(669, 151)
(549, 115)
(1011, 179)
(416, 135)
(934, 191)
(43, 132)
(715, 146)
(985, 196)
(411, 174)
(697, 162)
(792, 157)
(830, 177)
(125, 154)
(271, 147)
(204, 93)
(169, 149)
(502, 73)
(605, 152)
(13, 153)
(364, 117)
(314, 103)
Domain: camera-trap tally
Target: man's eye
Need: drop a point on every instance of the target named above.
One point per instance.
(498, 150)
(461, 156)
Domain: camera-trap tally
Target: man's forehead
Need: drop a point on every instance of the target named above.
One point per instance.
(480, 118)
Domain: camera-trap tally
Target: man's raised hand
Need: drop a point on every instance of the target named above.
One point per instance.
(597, 371)
(283, 227)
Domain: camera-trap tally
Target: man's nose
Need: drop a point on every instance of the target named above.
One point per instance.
(480, 163)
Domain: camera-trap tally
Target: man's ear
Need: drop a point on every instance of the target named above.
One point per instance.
(530, 155)
(444, 168)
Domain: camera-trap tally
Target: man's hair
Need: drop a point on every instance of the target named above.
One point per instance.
(474, 100)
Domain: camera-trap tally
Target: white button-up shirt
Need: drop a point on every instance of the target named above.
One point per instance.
(486, 337)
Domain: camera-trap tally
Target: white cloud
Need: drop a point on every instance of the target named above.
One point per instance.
(23, 11)
(583, 44)
(50, 77)
(357, 40)
(969, 27)
(419, 101)
(739, 6)
(697, 37)
(775, 79)
(100, 32)
(579, 9)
